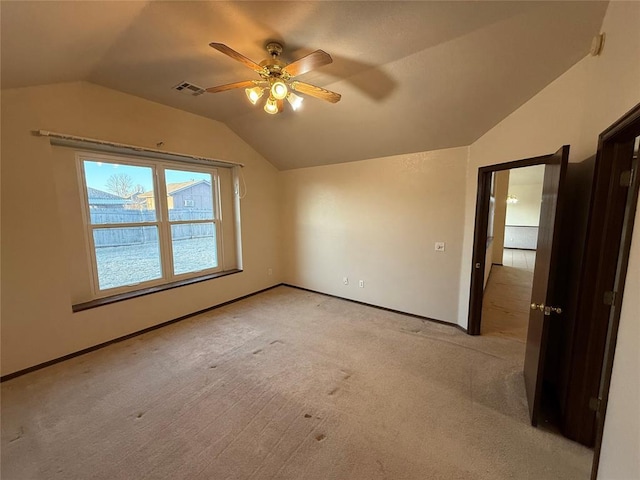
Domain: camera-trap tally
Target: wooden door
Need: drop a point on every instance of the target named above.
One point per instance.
(543, 293)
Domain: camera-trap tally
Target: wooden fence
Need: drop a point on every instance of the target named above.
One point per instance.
(112, 237)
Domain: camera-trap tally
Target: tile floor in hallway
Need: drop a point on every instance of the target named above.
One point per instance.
(524, 259)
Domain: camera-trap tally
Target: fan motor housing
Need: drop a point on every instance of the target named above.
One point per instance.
(274, 48)
(274, 64)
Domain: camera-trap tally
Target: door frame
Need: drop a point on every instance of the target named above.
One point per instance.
(480, 235)
(608, 160)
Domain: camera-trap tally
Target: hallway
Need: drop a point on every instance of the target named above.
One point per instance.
(505, 308)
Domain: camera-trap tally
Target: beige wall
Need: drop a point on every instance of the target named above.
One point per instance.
(378, 220)
(574, 110)
(502, 188)
(37, 321)
(527, 211)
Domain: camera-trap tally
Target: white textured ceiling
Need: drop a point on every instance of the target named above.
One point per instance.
(414, 76)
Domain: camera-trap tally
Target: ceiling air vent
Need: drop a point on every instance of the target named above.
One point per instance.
(189, 89)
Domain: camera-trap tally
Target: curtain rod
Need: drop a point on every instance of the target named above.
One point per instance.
(68, 140)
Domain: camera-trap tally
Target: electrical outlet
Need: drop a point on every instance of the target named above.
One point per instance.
(270, 271)
(345, 280)
(361, 283)
(439, 246)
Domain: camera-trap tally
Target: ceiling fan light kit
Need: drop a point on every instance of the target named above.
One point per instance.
(277, 78)
(271, 106)
(254, 94)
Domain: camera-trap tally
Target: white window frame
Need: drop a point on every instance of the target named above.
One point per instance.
(162, 222)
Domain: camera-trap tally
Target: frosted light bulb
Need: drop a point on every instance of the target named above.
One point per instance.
(279, 90)
(254, 94)
(295, 100)
(271, 106)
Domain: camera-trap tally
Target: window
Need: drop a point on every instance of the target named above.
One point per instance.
(149, 222)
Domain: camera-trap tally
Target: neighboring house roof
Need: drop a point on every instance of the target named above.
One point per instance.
(95, 193)
(105, 198)
(173, 188)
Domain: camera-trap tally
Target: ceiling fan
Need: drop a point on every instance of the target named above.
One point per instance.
(277, 78)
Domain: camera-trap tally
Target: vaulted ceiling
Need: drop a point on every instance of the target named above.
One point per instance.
(414, 76)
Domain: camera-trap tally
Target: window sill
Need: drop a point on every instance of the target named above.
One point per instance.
(99, 302)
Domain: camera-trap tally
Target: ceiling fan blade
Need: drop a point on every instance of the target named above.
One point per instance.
(221, 47)
(317, 92)
(231, 86)
(280, 104)
(307, 63)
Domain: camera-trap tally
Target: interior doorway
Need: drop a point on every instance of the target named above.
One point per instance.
(545, 291)
(514, 217)
(609, 245)
(484, 230)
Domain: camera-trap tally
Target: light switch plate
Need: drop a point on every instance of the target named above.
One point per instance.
(439, 246)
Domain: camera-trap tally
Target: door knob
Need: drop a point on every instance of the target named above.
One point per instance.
(545, 308)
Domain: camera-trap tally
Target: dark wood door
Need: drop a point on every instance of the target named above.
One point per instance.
(543, 294)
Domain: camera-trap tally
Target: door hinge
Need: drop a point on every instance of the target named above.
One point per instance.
(609, 298)
(595, 404)
(626, 178)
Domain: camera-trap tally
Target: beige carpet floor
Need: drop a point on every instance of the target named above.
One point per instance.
(286, 384)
